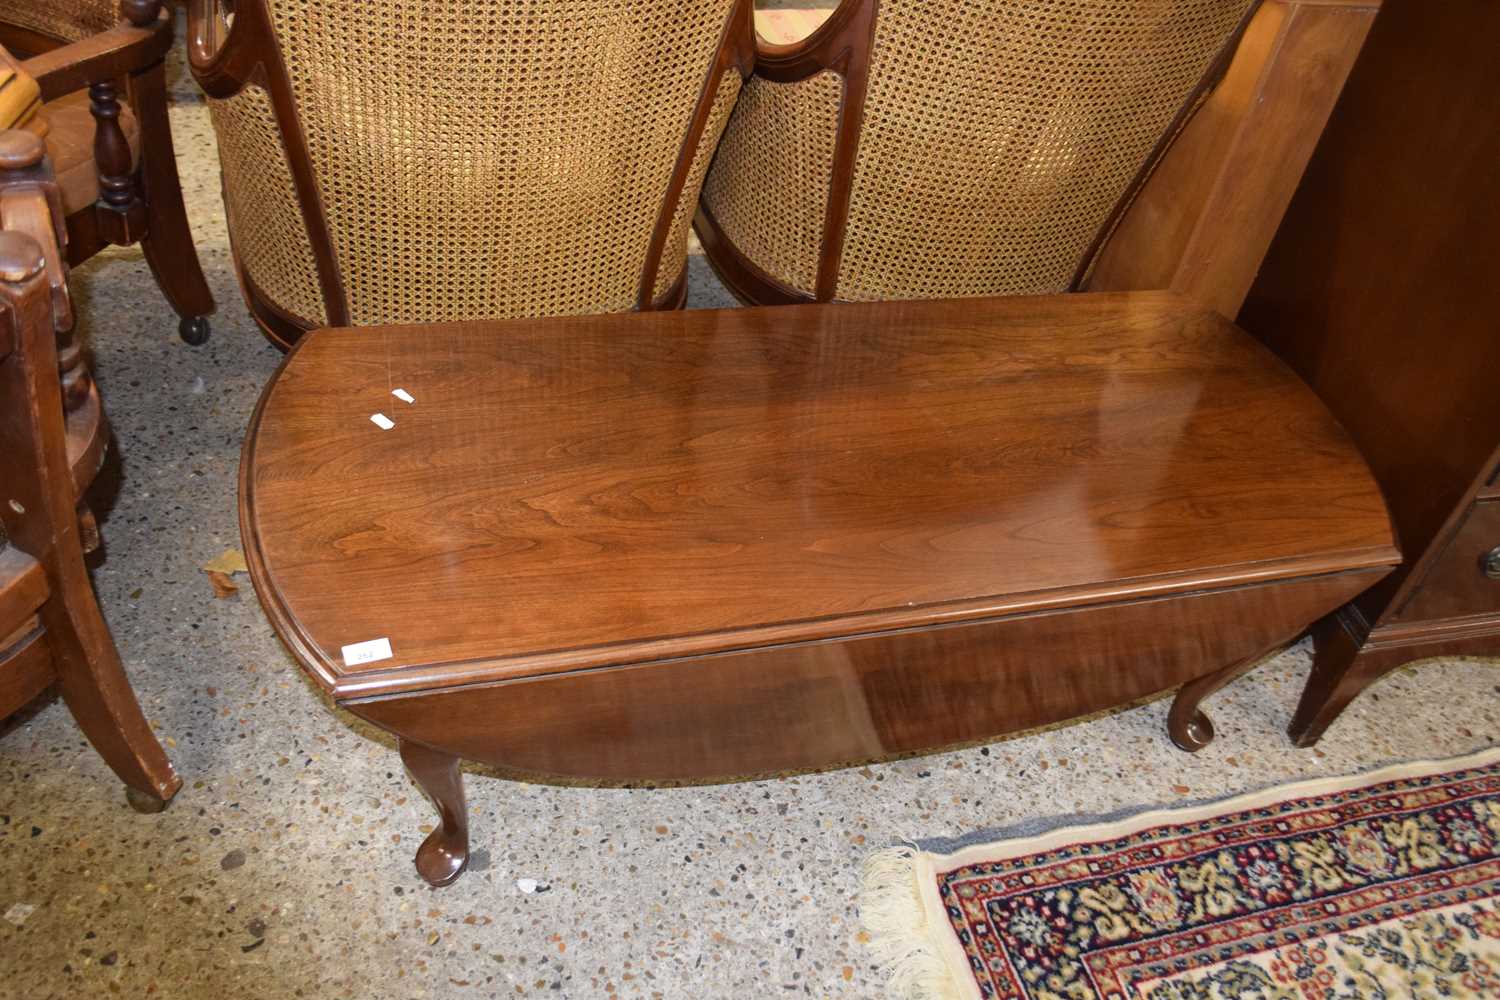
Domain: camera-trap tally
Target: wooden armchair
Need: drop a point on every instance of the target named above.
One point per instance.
(51, 630)
(1003, 147)
(393, 161)
(114, 162)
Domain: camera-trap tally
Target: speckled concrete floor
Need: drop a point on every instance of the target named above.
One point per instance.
(283, 869)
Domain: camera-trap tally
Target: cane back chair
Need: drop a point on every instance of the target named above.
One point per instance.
(51, 631)
(114, 163)
(410, 161)
(995, 147)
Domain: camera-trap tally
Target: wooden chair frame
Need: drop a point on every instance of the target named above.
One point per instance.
(138, 203)
(228, 54)
(51, 630)
(1200, 214)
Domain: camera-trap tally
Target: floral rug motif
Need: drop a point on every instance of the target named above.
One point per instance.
(1384, 885)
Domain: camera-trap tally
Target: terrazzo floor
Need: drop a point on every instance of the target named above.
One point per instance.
(283, 869)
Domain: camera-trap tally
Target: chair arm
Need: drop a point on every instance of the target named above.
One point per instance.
(109, 55)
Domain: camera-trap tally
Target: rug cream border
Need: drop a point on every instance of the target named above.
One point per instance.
(908, 926)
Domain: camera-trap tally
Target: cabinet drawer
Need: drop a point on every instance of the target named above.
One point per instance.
(1465, 580)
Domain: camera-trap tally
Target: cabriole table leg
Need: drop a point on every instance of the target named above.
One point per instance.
(445, 853)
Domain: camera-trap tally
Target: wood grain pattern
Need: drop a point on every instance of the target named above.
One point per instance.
(712, 544)
(860, 699)
(572, 492)
(1380, 291)
(1201, 223)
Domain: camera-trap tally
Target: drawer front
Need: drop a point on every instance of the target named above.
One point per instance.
(1465, 580)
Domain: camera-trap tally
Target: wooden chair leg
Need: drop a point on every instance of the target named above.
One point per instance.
(168, 241)
(94, 686)
(444, 855)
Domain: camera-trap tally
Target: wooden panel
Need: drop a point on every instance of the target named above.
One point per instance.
(25, 670)
(581, 491)
(1201, 224)
(818, 704)
(23, 587)
(1455, 585)
(1381, 290)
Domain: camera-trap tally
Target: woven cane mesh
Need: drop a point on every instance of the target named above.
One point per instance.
(998, 135)
(768, 188)
(491, 158)
(674, 251)
(270, 238)
(66, 20)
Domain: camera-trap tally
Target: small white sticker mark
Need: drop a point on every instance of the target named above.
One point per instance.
(382, 421)
(18, 913)
(367, 652)
(402, 395)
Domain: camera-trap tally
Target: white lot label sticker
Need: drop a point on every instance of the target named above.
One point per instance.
(382, 421)
(402, 395)
(18, 913)
(367, 652)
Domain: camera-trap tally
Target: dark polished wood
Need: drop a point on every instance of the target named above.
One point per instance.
(167, 242)
(718, 543)
(444, 855)
(122, 212)
(868, 696)
(51, 630)
(1380, 291)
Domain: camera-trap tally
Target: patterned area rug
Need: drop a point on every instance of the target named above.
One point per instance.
(1383, 885)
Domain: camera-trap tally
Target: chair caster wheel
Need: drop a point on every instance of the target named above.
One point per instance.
(193, 330)
(143, 803)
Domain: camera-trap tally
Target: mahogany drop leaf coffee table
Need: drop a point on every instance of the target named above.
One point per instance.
(699, 545)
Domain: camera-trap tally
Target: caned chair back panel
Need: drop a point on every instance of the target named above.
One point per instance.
(469, 158)
(962, 147)
(62, 20)
(1028, 132)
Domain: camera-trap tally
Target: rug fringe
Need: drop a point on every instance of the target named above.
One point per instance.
(890, 907)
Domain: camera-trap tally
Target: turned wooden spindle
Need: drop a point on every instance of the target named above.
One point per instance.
(122, 214)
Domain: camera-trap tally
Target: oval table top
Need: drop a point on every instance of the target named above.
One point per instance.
(577, 492)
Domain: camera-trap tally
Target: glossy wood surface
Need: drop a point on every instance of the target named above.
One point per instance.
(139, 201)
(1202, 221)
(862, 698)
(581, 492)
(1381, 291)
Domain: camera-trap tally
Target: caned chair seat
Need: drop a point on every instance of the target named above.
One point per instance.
(61, 20)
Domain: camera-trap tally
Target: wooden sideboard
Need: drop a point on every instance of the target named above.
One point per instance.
(1382, 289)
